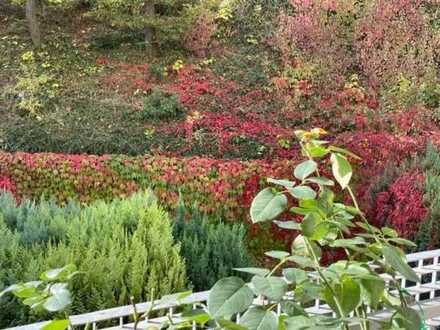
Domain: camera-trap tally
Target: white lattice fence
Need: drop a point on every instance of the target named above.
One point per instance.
(426, 297)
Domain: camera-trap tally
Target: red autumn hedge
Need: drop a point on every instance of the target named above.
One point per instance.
(222, 186)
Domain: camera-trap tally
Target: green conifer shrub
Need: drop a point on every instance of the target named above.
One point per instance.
(123, 249)
(428, 235)
(211, 248)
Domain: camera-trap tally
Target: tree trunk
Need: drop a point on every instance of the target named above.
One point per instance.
(32, 8)
(149, 30)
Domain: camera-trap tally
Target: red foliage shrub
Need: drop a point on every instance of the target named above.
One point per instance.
(198, 91)
(401, 205)
(321, 31)
(414, 121)
(382, 43)
(378, 149)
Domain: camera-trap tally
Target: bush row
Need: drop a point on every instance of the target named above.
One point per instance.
(223, 187)
(124, 249)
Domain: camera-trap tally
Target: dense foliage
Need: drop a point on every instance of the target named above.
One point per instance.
(244, 75)
(406, 199)
(203, 98)
(224, 187)
(123, 249)
(351, 287)
(221, 188)
(211, 249)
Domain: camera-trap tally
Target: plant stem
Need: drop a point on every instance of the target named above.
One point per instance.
(324, 279)
(364, 219)
(282, 262)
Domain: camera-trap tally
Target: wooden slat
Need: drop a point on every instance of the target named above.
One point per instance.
(127, 310)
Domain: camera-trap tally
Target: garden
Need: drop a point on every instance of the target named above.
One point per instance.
(278, 154)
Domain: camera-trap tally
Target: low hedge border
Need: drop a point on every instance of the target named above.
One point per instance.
(226, 187)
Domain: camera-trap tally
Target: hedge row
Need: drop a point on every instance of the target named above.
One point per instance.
(224, 186)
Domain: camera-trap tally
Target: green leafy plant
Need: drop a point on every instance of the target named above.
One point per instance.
(33, 89)
(161, 105)
(211, 248)
(352, 287)
(50, 293)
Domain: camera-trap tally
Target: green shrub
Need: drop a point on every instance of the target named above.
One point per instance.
(13, 262)
(124, 248)
(157, 71)
(116, 38)
(161, 105)
(211, 249)
(428, 235)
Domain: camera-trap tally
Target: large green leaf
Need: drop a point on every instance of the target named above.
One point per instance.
(303, 170)
(59, 274)
(267, 205)
(406, 318)
(302, 192)
(321, 181)
(341, 170)
(372, 291)
(299, 248)
(348, 293)
(307, 291)
(273, 288)
(295, 275)
(11, 288)
(59, 299)
(281, 182)
(277, 254)
(299, 322)
(348, 242)
(198, 316)
(56, 325)
(256, 318)
(313, 227)
(316, 150)
(254, 270)
(288, 225)
(396, 260)
(229, 296)
(292, 308)
(326, 201)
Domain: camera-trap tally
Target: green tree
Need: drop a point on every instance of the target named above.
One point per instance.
(161, 21)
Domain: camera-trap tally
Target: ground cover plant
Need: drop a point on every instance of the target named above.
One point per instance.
(220, 88)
